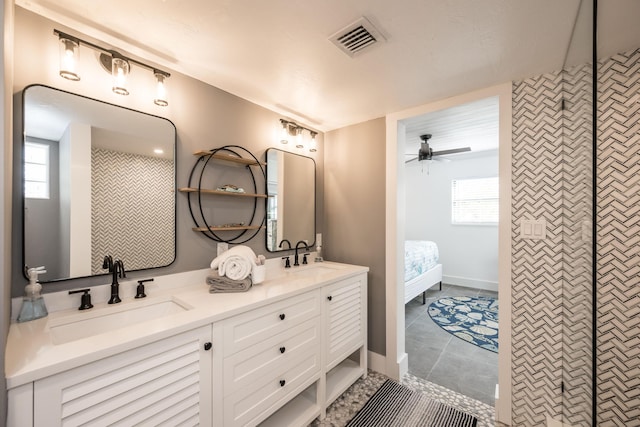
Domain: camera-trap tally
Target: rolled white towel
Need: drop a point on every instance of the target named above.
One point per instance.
(237, 263)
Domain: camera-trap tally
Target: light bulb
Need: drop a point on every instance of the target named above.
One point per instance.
(69, 56)
(161, 90)
(300, 139)
(284, 133)
(312, 144)
(119, 71)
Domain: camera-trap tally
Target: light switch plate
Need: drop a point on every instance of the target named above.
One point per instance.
(533, 229)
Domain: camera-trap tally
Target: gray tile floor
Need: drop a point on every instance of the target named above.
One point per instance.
(441, 358)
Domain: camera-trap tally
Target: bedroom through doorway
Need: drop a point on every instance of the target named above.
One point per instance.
(451, 247)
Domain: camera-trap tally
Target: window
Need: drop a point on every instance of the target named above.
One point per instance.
(36, 171)
(474, 201)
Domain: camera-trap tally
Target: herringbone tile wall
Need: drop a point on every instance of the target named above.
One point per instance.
(132, 210)
(577, 301)
(551, 167)
(618, 241)
(537, 265)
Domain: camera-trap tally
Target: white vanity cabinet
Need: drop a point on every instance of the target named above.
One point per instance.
(270, 356)
(168, 381)
(278, 355)
(285, 363)
(345, 334)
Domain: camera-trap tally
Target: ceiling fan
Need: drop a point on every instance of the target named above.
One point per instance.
(426, 152)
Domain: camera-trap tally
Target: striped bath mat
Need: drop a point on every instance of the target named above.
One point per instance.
(396, 405)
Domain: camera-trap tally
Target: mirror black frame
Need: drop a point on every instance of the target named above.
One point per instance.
(19, 175)
(312, 244)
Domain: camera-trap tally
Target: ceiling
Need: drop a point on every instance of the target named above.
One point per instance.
(278, 54)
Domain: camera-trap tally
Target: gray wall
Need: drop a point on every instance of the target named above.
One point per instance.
(355, 211)
(205, 117)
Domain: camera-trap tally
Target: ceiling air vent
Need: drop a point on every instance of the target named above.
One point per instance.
(357, 37)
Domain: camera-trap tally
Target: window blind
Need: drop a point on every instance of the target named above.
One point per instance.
(475, 201)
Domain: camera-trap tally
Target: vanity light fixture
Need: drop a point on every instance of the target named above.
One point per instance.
(284, 132)
(69, 57)
(313, 147)
(118, 65)
(292, 129)
(119, 72)
(299, 138)
(161, 91)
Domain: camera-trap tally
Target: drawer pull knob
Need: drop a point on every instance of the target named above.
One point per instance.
(282, 349)
(282, 316)
(329, 297)
(282, 382)
(207, 346)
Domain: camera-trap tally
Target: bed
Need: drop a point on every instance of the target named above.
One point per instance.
(421, 268)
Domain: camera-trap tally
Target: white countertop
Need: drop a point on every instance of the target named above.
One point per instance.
(31, 354)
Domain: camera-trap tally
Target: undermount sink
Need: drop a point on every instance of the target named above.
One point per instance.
(311, 270)
(97, 321)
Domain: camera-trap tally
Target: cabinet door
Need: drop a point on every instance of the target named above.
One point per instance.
(167, 382)
(345, 317)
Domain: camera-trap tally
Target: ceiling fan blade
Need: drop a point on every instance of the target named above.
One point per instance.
(452, 151)
(411, 160)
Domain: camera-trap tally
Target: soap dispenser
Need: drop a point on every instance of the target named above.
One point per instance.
(33, 304)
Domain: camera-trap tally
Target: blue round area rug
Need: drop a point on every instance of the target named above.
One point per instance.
(473, 319)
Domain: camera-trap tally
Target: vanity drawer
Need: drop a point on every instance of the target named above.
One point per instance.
(255, 402)
(244, 368)
(240, 332)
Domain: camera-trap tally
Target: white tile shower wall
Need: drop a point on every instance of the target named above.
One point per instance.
(552, 278)
(618, 241)
(577, 312)
(537, 265)
(148, 203)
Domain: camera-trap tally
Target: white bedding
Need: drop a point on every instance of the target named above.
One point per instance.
(419, 257)
(421, 268)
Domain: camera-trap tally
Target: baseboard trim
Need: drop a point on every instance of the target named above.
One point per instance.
(376, 362)
(471, 283)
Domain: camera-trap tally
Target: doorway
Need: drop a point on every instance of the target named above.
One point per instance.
(451, 220)
(397, 359)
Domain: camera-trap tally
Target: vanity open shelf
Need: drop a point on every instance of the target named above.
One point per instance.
(220, 193)
(208, 173)
(229, 158)
(231, 228)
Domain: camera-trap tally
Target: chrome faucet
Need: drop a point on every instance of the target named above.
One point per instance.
(304, 260)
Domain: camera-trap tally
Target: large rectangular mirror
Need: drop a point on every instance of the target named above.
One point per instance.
(291, 201)
(98, 179)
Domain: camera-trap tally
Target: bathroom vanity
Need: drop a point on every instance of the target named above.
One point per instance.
(278, 354)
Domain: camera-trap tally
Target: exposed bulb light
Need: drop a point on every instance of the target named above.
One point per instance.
(312, 144)
(119, 71)
(284, 132)
(158, 151)
(161, 90)
(297, 131)
(69, 57)
(114, 63)
(299, 138)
